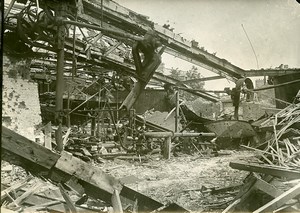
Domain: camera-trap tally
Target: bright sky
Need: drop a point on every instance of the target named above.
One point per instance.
(273, 27)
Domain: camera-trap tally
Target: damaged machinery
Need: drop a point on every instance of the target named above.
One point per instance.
(95, 63)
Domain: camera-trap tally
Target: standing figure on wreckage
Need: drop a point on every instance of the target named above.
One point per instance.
(151, 59)
(144, 68)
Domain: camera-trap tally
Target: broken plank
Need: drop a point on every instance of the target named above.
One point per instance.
(86, 172)
(271, 190)
(116, 202)
(86, 152)
(67, 198)
(267, 169)
(41, 206)
(231, 206)
(146, 204)
(267, 188)
(135, 206)
(66, 136)
(21, 146)
(27, 194)
(47, 199)
(280, 200)
(16, 186)
(96, 183)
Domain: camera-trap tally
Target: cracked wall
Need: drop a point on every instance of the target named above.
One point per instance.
(21, 110)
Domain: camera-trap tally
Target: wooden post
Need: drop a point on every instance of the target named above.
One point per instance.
(68, 112)
(177, 111)
(116, 202)
(48, 140)
(93, 125)
(167, 147)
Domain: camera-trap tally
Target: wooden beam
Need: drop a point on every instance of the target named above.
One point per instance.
(67, 198)
(21, 146)
(211, 78)
(48, 140)
(50, 199)
(97, 184)
(26, 195)
(167, 147)
(267, 188)
(16, 186)
(271, 190)
(116, 202)
(280, 200)
(231, 206)
(66, 136)
(271, 72)
(267, 169)
(36, 208)
(201, 64)
(139, 24)
(86, 172)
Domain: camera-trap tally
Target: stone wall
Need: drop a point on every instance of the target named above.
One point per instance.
(21, 110)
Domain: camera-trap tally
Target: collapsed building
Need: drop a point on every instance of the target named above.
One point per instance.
(79, 79)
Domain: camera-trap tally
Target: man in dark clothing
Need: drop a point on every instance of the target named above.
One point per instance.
(151, 60)
(146, 68)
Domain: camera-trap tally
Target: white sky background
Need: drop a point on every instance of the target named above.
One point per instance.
(272, 25)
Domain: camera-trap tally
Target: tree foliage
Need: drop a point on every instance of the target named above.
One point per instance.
(191, 74)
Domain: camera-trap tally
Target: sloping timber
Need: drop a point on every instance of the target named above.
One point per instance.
(128, 68)
(130, 21)
(61, 168)
(52, 198)
(126, 21)
(211, 78)
(253, 183)
(271, 72)
(280, 200)
(28, 149)
(267, 169)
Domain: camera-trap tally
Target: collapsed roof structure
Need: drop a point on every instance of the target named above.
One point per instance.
(80, 53)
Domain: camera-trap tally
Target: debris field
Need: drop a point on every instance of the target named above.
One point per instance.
(93, 120)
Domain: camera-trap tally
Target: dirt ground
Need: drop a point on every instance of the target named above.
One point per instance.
(181, 179)
(185, 180)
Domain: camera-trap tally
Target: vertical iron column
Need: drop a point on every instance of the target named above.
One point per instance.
(60, 78)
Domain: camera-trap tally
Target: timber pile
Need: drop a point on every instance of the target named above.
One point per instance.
(32, 194)
(275, 177)
(87, 147)
(72, 174)
(283, 148)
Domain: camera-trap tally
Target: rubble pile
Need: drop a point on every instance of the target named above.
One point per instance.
(283, 148)
(93, 123)
(274, 176)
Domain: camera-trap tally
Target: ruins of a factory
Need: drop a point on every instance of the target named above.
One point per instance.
(94, 119)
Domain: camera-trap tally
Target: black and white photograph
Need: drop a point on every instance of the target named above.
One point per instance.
(139, 106)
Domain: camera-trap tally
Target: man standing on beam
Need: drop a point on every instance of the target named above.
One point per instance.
(146, 68)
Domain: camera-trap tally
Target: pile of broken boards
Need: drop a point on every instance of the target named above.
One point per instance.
(37, 195)
(89, 148)
(274, 180)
